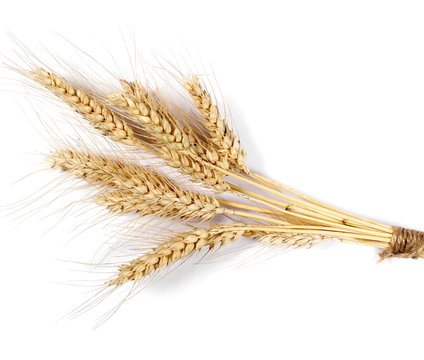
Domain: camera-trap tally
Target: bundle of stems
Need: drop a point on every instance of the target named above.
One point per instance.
(204, 148)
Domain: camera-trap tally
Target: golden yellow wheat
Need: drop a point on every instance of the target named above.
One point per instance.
(270, 213)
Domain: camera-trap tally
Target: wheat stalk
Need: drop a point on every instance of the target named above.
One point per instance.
(139, 189)
(209, 177)
(188, 243)
(285, 217)
(302, 210)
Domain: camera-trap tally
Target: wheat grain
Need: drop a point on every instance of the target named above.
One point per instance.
(221, 134)
(174, 250)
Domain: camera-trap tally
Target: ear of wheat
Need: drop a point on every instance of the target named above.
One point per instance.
(114, 126)
(99, 115)
(222, 136)
(270, 214)
(132, 188)
(149, 111)
(174, 250)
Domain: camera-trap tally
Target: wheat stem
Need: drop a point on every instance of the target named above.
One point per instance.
(319, 230)
(356, 219)
(305, 204)
(250, 207)
(258, 217)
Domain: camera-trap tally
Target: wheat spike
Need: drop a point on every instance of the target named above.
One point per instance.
(112, 125)
(149, 110)
(174, 250)
(99, 170)
(175, 203)
(143, 105)
(98, 115)
(287, 239)
(135, 188)
(145, 109)
(197, 170)
(179, 149)
(221, 134)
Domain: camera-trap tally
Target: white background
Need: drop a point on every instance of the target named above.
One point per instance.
(328, 97)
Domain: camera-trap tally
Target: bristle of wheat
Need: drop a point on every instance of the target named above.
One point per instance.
(174, 250)
(135, 188)
(221, 134)
(98, 115)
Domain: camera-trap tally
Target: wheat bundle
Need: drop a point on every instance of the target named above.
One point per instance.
(213, 157)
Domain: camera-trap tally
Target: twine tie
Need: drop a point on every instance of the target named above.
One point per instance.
(405, 243)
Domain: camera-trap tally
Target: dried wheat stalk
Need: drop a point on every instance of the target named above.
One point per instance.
(270, 213)
(187, 243)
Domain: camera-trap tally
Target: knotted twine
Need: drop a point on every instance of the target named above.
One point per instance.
(405, 243)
